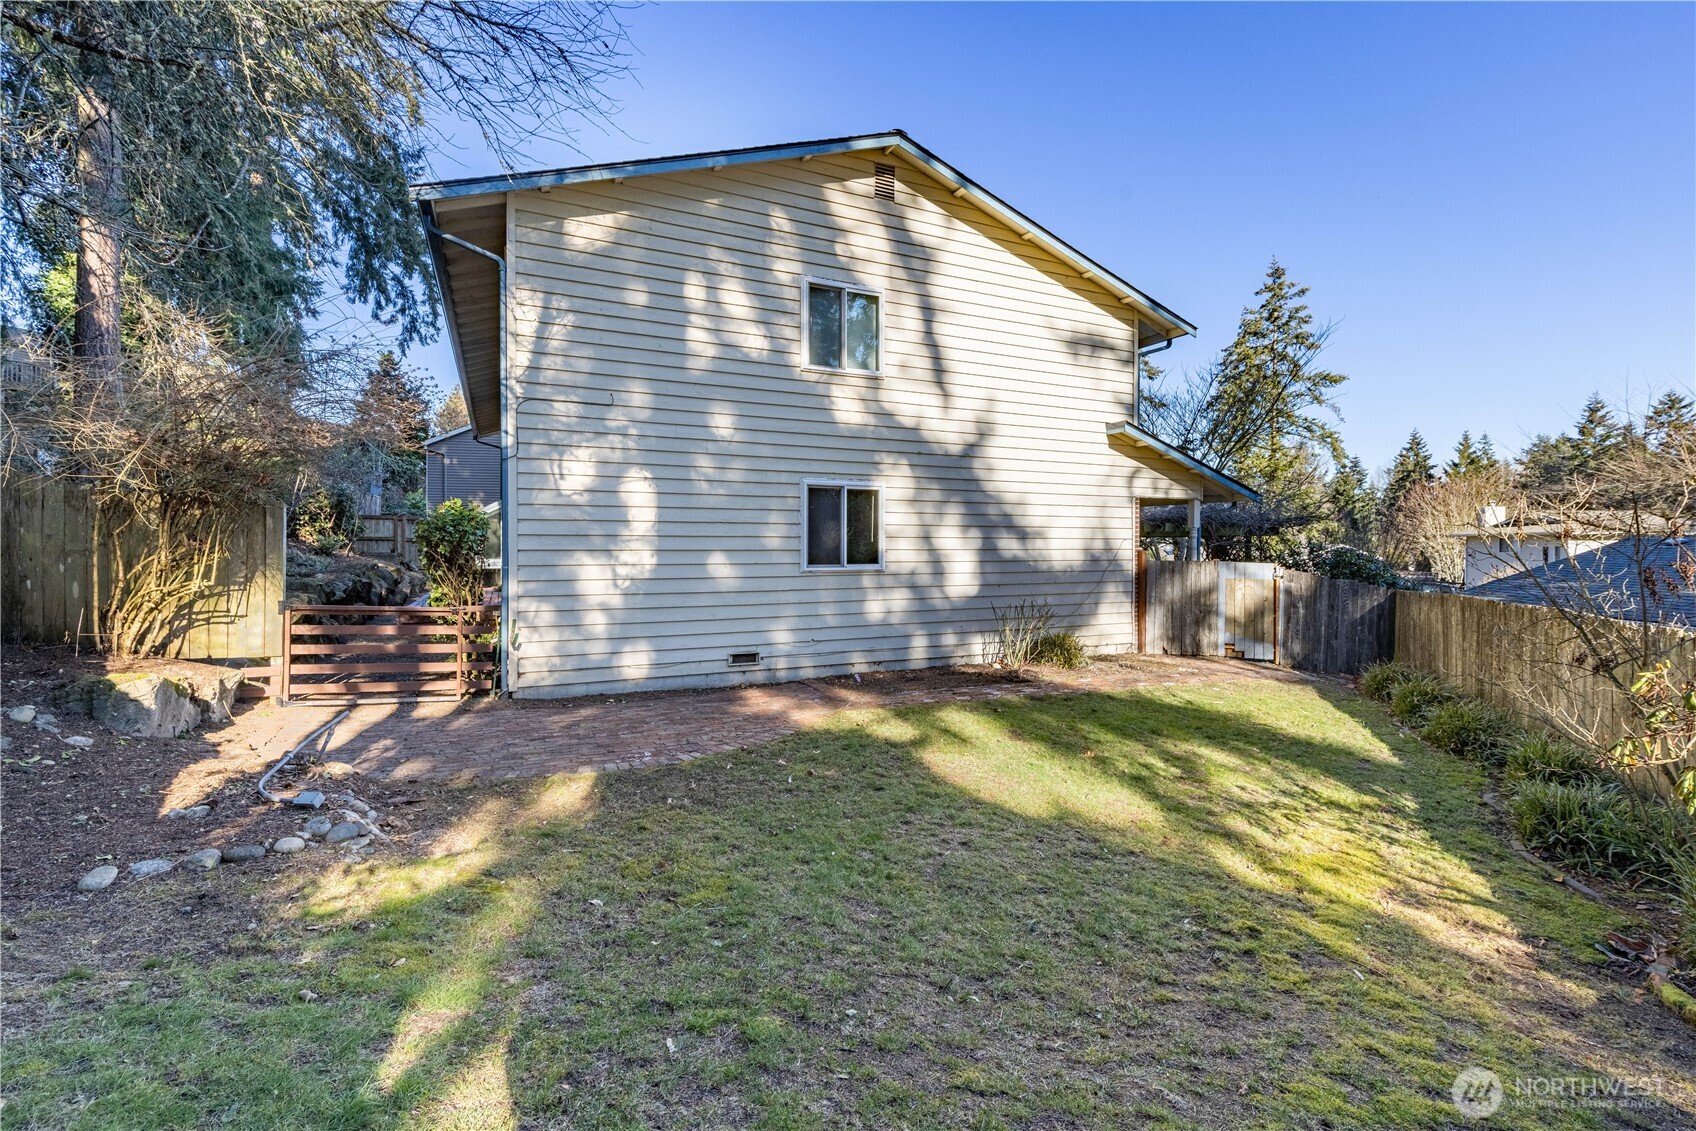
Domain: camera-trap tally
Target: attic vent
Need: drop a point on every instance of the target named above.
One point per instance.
(743, 659)
(884, 188)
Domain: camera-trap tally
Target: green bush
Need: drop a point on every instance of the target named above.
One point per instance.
(1417, 696)
(1540, 757)
(327, 519)
(1471, 729)
(450, 541)
(1381, 680)
(1346, 564)
(1060, 649)
(1602, 829)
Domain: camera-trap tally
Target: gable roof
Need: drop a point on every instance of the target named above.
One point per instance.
(1613, 578)
(451, 432)
(1168, 323)
(1218, 487)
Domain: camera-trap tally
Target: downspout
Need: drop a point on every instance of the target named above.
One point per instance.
(509, 436)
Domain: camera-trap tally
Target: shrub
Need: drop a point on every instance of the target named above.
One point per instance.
(1060, 649)
(1381, 680)
(1602, 829)
(1417, 696)
(1346, 564)
(1018, 628)
(450, 542)
(327, 519)
(1539, 757)
(1471, 729)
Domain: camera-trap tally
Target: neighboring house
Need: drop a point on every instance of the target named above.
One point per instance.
(1621, 579)
(1500, 545)
(797, 410)
(457, 465)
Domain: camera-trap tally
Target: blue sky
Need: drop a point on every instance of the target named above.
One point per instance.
(1496, 204)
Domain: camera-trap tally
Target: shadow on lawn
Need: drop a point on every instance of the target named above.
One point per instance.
(1221, 901)
(1190, 906)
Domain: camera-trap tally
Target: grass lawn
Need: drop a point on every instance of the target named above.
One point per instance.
(1251, 903)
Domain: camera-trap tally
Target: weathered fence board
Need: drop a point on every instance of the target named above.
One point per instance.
(388, 536)
(1329, 625)
(1182, 608)
(1300, 620)
(328, 654)
(1529, 661)
(52, 572)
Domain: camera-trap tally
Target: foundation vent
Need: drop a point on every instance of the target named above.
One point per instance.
(743, 659)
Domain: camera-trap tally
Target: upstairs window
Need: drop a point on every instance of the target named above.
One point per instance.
(842, 525)
(844, 327)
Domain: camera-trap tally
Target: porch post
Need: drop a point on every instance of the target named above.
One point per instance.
(1194, 548)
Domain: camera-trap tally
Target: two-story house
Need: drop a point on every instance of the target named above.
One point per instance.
(803, 409)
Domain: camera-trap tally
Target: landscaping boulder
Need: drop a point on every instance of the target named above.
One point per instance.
(148, 706)
(206, 859)
(142, 869)
(243, 852)
(288, 844)
(347, 830)
(213, 689)
(98, 879)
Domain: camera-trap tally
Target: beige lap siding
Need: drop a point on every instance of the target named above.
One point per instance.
(665, 424)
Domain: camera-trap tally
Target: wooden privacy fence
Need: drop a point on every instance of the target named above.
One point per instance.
(388, 536)
(50, 564)
(1527, 660)
(348, 651)
(1329, 625)
(1254, 611)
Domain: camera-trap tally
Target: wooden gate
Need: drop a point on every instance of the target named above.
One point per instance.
(1247, 604)
(1254, 611)
(343, 652)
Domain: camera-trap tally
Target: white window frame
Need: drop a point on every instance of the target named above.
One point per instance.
(882, 530)
(807, 284)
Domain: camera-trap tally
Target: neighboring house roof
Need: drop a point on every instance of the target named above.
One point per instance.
(1619, 578)
(476, 347)
(446, 435)
(1582, 526)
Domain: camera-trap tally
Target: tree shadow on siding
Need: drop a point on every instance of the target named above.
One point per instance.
(666, 471)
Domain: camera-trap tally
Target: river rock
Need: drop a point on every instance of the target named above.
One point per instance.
(98, 879)
(142, 869)
(21, 714)
(318, 826)
(80, 741)
(347, 830)
(242, 853)
(287, 844)
(193, 811)
(206, 859)
(148, 707)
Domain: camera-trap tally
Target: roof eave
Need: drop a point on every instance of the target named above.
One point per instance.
(1170, 324)
(1139, 435)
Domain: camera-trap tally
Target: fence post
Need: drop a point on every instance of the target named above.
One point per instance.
(459, 651)
(283, 666)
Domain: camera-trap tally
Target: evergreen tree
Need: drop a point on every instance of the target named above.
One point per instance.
(217, 153)
(1354, 503)
(391, 421)
(1264, 392)
(1413, 466)
(1471, 458)
(1670, 420)
(1596, 437)
(453, 413)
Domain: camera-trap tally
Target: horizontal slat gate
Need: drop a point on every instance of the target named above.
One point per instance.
(346, 651)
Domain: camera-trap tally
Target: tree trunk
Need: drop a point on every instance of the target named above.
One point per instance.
(97, 335)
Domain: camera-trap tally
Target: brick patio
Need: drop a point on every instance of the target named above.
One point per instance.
(484, 738)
